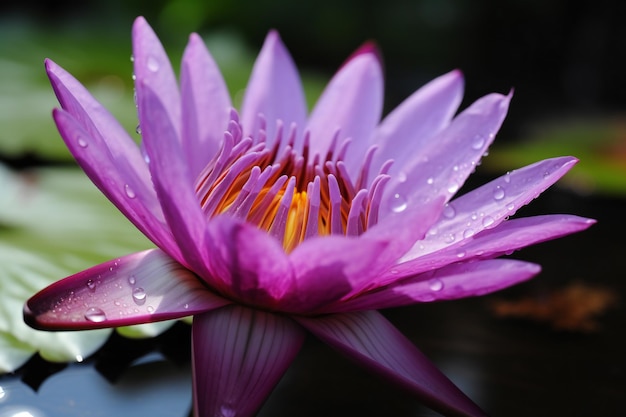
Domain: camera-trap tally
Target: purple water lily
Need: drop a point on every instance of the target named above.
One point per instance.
(271, 223)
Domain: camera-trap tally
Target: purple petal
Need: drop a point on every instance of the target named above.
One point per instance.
(274, 90)
(420, 117)
(239, 355)
(153, 68)
(442, 167)
(173, 184)
(247, 264)
(369, 339)
(114, 169)
(447, 283)
(328, 268)
(139, 288)
(351, 104)
(489, 205)
(206, 104)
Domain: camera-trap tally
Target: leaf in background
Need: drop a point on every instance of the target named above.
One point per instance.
(54, 222)
(600, 146)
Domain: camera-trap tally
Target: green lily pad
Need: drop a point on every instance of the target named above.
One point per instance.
(53, 223)
(600, 145)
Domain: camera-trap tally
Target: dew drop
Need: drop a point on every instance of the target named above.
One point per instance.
(488, 221)
(186, 306)
(132, 280)
(478, 143)
(398, 204)
(510, 207)
(79, 358)
(91, 284)
(468, 233)
(453, 187)
(150, 309)
(460, 254)
(402, 177)
(95, 315)
(498, 193)
(448, 211)
(130, 193)
(139, 296)
(153, 64)
(138, 130)
(435, 284)
(430, 181)
(449, 238)
(82, 142)
(507, 177)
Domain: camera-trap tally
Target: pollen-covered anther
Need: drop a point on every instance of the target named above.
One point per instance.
(290, 194)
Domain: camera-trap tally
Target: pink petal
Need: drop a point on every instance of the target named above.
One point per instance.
(274, 90)
(239, 355)
(509, 236)
(328, 268)
(369, 339)
(247, 264)
(420, 117)
(139, 288)
(351, 103)
(442, 168)
(206, 104)
(447, 283)
(153, 68)
(173, 184)
(490, 204)
(114, 169)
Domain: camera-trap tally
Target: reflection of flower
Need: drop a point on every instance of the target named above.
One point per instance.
(272, 223)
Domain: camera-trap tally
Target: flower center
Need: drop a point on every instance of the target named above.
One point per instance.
(288, 193)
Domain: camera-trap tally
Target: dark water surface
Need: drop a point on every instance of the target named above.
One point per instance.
(510, 367)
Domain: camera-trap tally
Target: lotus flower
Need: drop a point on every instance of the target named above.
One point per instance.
(270, 223)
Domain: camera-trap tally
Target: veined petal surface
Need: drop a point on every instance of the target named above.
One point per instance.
(274, 91)
(370, 340)
(239, 355)
(140, 288)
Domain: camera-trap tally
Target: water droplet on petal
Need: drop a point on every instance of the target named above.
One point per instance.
(91, 284)
(153, 64)
(95, 315)
(507, 177)
(430, 181)
(460, 254)
(138, 129)
(435, 284)
(150, 309)
(498, 193)
(478, 142)
(448, 211)
(510, 207)
(130, 193)
(453, 187)
(82, 142)
(132, 280)
(468, 233)
(186, 306)
(139, 296)
(488, 221)
(398, 203)
(449, 238)
(402, 177)
(79, 358)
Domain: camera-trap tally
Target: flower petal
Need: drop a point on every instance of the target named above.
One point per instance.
(351, 104)
(246, 263)
(206, 103)
(328, 268)
(504, 239)
(443, 167)
(139, 288)
(173, 184)
(239, 355)
(420, 117)
(369, 339)
(274, 90)
(448, 283)
(153, 68)
(114, 169)
(487, 206)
